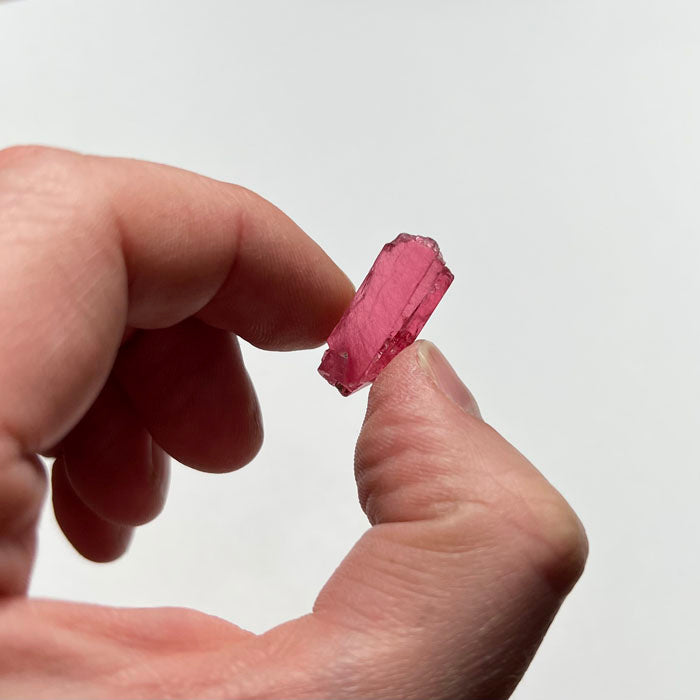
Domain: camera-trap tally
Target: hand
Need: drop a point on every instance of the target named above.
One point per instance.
(121, 286)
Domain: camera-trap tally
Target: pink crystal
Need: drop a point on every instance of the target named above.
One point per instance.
(393, 303)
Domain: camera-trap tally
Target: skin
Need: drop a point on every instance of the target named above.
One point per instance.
(123, 286)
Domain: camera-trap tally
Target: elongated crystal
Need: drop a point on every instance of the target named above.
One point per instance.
(393, 303)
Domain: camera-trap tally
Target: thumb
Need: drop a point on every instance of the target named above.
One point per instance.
(470, 554)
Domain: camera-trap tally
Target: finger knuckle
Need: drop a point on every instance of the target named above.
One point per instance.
(522, 507)
(555, 543)
(40, 172)
(402, 479)
(44, 193)
(30, 155)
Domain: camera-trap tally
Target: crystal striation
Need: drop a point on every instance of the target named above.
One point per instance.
(393, 303)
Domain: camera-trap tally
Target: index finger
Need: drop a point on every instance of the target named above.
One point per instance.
(91, 245)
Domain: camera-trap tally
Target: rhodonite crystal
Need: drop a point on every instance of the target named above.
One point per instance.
(393, 303)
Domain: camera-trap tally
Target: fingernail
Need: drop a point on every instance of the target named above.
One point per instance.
(440, 371)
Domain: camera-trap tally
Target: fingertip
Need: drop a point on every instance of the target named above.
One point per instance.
(283, 292)
(190, 389)
(336, 298)
(242, 445)
(113, 464)
(95, 538)
(445, 378)
(407, 385)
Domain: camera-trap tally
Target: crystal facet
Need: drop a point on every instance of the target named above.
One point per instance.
(393, 303)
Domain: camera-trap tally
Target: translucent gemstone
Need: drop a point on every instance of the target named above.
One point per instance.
(393, 303)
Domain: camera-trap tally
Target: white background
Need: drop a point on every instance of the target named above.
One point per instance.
(553, 150)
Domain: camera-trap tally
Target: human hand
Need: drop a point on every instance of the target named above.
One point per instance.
(121, 284)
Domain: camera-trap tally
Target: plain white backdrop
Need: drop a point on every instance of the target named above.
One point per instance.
(553, 150)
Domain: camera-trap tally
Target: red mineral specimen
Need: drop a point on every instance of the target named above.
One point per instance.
(393, 303)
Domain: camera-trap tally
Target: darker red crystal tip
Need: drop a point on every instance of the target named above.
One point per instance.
(393, 303)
